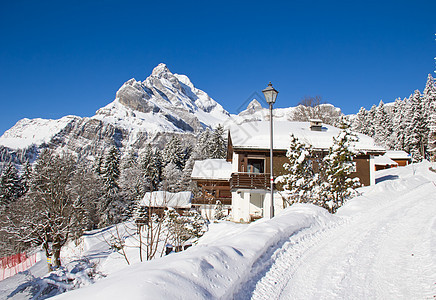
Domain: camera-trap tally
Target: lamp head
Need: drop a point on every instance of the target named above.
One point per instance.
(270, 94)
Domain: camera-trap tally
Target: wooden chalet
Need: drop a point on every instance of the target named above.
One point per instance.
(245, 186)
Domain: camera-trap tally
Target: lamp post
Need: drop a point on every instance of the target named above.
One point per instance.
(270, 94)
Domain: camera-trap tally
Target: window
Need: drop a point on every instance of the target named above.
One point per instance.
(255, 165)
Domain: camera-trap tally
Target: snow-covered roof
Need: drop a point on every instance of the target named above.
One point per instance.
(384, 160)
(212, 169)
(167, 199)
(256, 135)
(397, 154)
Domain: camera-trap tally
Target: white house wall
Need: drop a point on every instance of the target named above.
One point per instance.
(246, 203)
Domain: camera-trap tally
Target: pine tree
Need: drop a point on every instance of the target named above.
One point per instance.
(185, 182)
(300, 180)
(202, 148)
(151, 166)
(399, 124)
(173, 153)
(26, 176)
(417, 127)
(10, 185)
(360, 121)
(337, 167)
(371, 121)
(430, 100)
(218, 145)
(111, 171)
(382, 127)
(171, 175)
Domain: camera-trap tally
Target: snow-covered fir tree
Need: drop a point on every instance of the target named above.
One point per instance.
(337, 167)
(11, 186)
(299, 182)
(202, 148)
(218, 145)
(382, 125)
(171, 178)
(399, 134)
(430, 100)
(26, 176)
(111, 171)
(185, 182)
(133, 183)
(417, 127)
(360, 122)
(408, 124)
(112, 206)
(151, 165)
(174, 152)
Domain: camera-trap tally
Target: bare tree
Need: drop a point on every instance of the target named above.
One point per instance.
(52, 212)
(315, 108)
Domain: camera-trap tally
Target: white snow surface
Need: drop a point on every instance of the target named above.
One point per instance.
(167, 199)
(380, 245)
(212, 169)
(397, 154)
(257, 135)
(33, 131)
(384, 160)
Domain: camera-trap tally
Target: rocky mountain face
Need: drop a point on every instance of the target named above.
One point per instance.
(142, 112)
(148, 111)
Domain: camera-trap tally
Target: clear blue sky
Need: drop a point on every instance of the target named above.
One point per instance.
(70, 57)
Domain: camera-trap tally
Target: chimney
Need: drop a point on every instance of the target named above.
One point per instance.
(315, 124)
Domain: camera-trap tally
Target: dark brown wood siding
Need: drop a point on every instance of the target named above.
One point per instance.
(363, 169)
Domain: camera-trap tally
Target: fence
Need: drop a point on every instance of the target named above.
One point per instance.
(11, 265)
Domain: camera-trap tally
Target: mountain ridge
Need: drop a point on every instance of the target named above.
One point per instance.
(142, 112)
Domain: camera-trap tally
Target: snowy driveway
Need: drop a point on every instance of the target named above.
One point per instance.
(382, 249)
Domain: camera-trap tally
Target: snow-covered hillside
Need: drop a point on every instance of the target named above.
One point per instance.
(34, 131)
(380, 245)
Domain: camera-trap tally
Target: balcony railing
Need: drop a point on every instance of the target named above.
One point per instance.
(251, 181)
(212, 200)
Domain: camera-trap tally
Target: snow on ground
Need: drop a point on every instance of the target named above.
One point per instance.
(384, 248)
(380, 245)
(211, 270)
(8, 285)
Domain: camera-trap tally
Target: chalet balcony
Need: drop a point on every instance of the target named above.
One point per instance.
(252, 181)
(212, 200)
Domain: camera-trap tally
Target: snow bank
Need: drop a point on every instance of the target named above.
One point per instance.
(391, 184)
(213, 269)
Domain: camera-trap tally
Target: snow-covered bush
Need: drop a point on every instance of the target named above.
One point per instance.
(298, 184)
(73, 276)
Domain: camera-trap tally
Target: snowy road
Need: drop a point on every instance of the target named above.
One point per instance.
(382, 252)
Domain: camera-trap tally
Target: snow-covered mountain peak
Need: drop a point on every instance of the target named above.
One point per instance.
(160, 69)
(169, 101)
(254, 105)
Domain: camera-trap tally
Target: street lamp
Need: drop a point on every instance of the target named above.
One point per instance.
(270, 94)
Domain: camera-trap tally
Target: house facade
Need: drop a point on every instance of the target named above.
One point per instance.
(248, 163)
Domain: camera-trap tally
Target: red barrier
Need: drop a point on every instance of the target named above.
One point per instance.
(14, 264)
